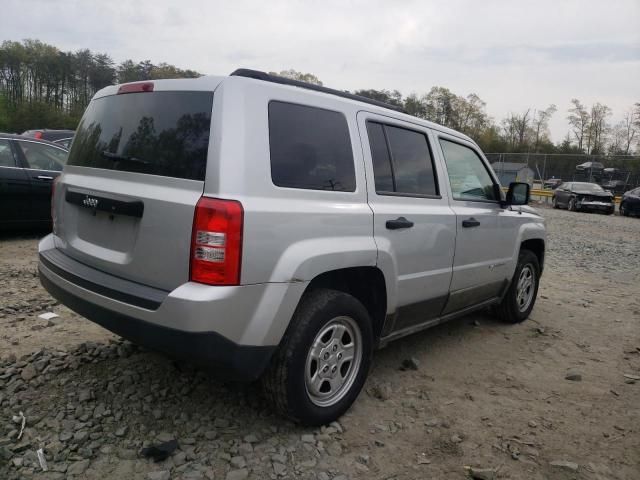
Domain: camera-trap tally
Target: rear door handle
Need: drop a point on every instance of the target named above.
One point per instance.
(44, 177)
(398, 223)
(471, 222)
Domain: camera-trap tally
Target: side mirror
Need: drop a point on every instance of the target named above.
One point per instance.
(518, 193)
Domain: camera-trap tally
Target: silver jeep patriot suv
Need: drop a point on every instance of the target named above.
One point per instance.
(268, 228)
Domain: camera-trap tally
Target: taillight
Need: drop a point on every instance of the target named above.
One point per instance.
(216, 242)
(37, 135)
(136, 87)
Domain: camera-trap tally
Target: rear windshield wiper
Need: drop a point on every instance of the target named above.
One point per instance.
(114, 157)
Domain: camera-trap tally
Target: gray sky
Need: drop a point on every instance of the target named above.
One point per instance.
(513, 54)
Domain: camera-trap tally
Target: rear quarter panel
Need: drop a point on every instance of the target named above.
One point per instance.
(290, 235)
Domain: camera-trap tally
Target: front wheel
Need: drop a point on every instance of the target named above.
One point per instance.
(554, 202)
(521, 296)
(572, 205)
(323, 359)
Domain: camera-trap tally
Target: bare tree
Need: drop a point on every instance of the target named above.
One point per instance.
(579, 120)
(617, 139)
(473, 118)
(517, 127)
(522, 125)
(636, 121)
(598, 128)
(509, 126)
(626, 131)
(541, 124)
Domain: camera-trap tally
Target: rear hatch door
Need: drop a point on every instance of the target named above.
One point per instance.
(136, 170)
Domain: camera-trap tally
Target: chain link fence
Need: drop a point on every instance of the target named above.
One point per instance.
(617, 173)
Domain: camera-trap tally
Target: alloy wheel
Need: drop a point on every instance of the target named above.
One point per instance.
(525, 287)
(333, 361)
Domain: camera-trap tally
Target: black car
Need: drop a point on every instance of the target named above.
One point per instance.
(630, 203)
(590, 166)
(59, 137)
(577, 196)
(615, 186)
(28, 168)
(552, 183)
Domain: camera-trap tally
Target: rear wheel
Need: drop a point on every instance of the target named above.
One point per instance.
(521, 296)
(323, 359)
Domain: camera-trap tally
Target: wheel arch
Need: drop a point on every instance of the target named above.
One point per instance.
(537, 246)
(367, 284)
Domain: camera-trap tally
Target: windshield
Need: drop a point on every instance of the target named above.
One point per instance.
(159, 133)
(587, 187)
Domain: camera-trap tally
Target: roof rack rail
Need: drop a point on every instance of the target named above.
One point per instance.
(264, 76)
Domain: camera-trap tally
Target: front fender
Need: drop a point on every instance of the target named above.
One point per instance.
(531, 230)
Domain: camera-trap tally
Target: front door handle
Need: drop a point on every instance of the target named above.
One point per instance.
(398, 223)
(471, 222)
(44, 177)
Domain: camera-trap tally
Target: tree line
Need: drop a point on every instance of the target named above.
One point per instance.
(589, 128)
(42, 86)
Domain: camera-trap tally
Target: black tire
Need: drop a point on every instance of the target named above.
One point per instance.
(509, 309)
(623, 210)
(554, 202)
(284, 382)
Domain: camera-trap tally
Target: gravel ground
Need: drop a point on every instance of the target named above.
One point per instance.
(547, 399)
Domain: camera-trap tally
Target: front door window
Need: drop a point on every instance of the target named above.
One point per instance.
(469, 177)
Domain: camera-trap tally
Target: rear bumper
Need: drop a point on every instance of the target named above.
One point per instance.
(232, 331)
(209, 350)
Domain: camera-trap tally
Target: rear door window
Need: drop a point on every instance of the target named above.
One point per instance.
(6, 155)
(310, 148)
(380, 157)
(158, 133)
(40, 156)
(402, 161)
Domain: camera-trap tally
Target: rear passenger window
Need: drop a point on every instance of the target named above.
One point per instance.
(402, 161)
(40, 156)
(6, 155)
(310, 148)
(380, 157)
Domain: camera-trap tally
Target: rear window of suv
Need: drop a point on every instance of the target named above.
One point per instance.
(158, 133)
(310, 148)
